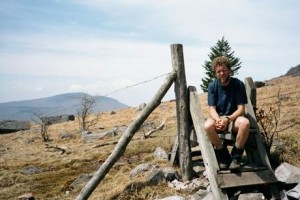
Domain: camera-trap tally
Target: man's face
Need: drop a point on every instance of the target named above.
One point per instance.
(222, 73)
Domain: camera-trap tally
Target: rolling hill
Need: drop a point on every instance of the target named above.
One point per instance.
(55, 105)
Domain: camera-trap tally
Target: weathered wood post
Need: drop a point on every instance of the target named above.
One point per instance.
(182, 109)
(125, 139)
(250, 109)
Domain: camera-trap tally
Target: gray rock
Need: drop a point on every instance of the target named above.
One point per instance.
(173, 198)
(199, 195)
(141, 168)
(83, 178)
(27, 196)
(170, 174)
(141, 107)
(10, 126)
(295, 192)
(48, 120)
(156, 176)
(251, 196)
(65, 135)
(288, 173)
(30, 170)
(160, 153)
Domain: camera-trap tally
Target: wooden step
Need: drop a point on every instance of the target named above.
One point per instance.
(231, 180)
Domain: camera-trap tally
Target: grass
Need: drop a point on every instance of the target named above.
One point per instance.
(25, 148)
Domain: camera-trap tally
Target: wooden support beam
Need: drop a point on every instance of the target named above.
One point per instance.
(185, 159)
(126, 138)
(207, 151)
(260, 156)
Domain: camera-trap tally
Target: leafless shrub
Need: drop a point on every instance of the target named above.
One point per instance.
(44, 127)
(87, 103)
(269, 120)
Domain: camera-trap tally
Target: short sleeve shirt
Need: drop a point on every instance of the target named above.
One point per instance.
(227, 98)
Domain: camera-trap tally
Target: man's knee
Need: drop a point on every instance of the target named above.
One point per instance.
(246, 123)
(243, 122)
(209, 124)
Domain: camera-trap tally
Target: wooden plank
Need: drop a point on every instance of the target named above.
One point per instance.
(174, 151)
(246, 179)
(260, 156)
(207, 151)
(182, 110)
(125, 139)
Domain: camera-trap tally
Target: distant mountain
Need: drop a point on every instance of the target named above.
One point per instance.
(54, 105)
(294, 71)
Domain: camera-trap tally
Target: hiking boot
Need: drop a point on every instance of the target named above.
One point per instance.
(223, 158)
(236, 155)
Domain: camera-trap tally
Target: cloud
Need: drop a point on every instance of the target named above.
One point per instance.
(103, 46)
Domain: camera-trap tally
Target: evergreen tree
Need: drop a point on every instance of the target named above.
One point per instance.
(222, 48)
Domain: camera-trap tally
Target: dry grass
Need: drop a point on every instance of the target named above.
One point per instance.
(25, 148)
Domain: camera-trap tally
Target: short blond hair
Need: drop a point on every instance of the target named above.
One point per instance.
(220, 61)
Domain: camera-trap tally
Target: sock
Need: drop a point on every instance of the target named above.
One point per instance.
(219, 147)
(238, 146)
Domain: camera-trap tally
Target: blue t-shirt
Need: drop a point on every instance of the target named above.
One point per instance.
(227, 98)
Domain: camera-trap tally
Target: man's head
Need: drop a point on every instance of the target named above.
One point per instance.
(222, 68)
(220, 61)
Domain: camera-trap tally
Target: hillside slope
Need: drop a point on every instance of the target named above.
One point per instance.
(55, 105)
(58, 170)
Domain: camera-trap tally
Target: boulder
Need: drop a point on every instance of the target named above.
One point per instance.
(10, 126)
(57, 119)
(287, 173)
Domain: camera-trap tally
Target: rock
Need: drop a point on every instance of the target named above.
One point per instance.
(10, 126)
(259, 84)
(48, 120)
(170, 174)
(86, 135)
(199, 195)
(251, 196)
(156, 176)
(83, 178)
(141, 107)
(27, 196)
(30, 170)
(65, 135)
(295, 192)
(120, 129)
(192, 185)
(288, 173)
(141, 168)
(173, 198)
(160, 153)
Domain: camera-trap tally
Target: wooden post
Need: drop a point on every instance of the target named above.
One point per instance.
(251, 91)
(125, 139)
(182, 105)
(251, 94)
(207, 150)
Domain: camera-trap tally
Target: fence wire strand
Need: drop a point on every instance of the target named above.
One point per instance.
(142, 82)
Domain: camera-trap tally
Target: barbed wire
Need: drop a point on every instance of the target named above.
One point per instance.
(118, 90)
(139, 83)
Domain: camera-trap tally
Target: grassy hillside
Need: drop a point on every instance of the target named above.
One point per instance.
(58, 170)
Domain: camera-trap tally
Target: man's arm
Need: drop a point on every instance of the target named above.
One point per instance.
(213, 113)
(239, 112)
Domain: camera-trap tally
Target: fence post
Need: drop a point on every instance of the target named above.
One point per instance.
(182, 110)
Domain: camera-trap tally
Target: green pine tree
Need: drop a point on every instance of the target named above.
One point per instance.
(222, 48)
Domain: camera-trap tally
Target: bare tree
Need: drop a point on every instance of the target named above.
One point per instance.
(269, 120)
(44, 126)
(87, 103)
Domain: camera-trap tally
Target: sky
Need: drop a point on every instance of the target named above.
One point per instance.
(121, 48)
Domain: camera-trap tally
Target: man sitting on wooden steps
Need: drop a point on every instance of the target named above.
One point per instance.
(226, 100)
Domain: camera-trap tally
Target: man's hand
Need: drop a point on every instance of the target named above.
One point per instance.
(221, 124)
